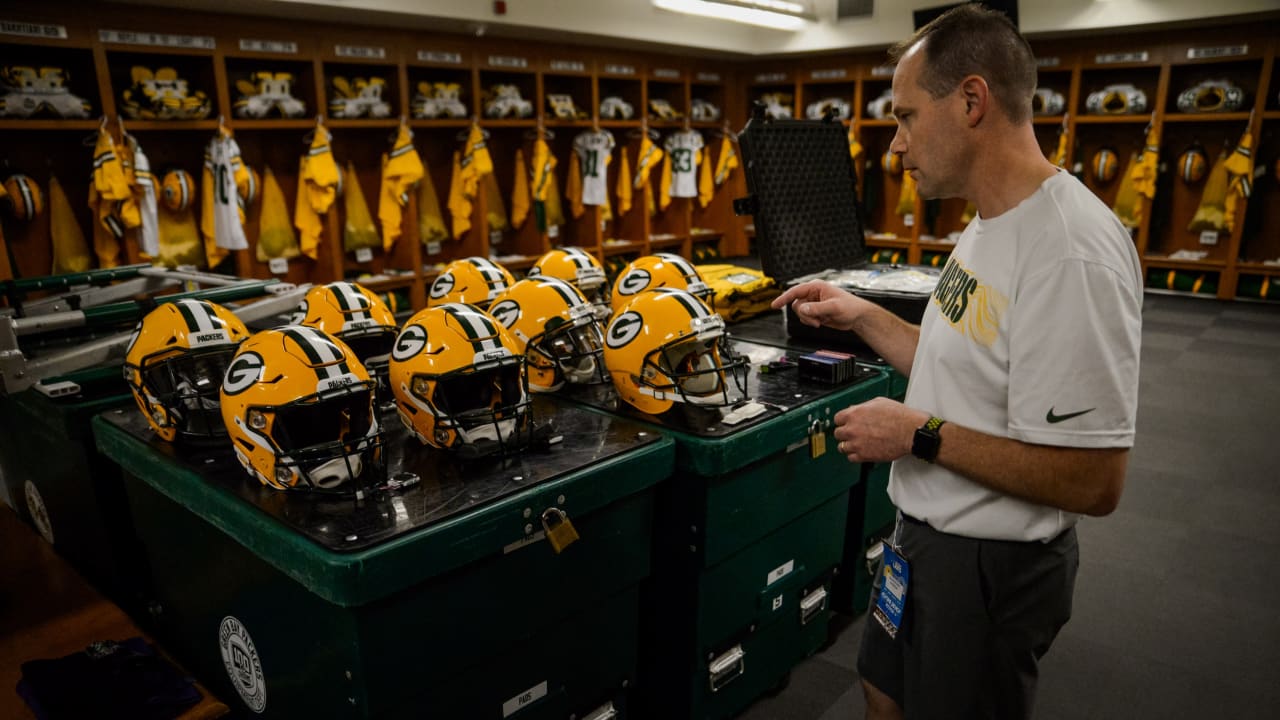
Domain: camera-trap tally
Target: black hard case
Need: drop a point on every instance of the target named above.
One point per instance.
(803, 195)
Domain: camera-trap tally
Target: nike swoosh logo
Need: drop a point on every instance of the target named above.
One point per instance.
(1052, 419)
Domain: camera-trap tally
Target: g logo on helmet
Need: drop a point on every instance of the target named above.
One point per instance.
(624, 329)
(442, 286)
(634, 281)
(300, 314)
(409, 343)
(243, 372)
(506, 312)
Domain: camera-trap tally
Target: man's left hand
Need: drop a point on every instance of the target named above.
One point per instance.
(879, 430)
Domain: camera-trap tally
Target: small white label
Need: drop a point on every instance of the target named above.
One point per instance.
(287, 47)
(508, 61)
(449, 58)
(1122, 57)
(553, 231)
(533, 694)
(828, 74)
(364, 255)
(433, 247)
(668, 73)
(1217, 51)
(777, 603)
(335, 383)
(780, 572)
(278, 266)
(360, 51)
(241, 661)
(771, 77)
(882, 71)
(909, 219)
(26, 29)
(512, 547)
(567, 65)
(619, 69)
(1209, 237)
(39, 513)
(123, 37)
(707, 77)
(1048, 61)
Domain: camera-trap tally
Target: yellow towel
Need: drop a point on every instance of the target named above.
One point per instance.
(476, 162)
(728, 160)
(855, 147)
(430, 219)
(318, 181)
(520, 197)
(179, 239)
(646, 160)
(1210, 215)
(544, 164)
(276, 238)
(358, 230)
(1128, 205)
(401, 168)
(573, 188)
(459, 203)
(1059, 156)
(495, 210)
(1240, 185)
(111, 197)
(70, 251)
(664, 184)
(706, 189)
(907, 196)
(1144, 173)
(554, 211)
(624, 184)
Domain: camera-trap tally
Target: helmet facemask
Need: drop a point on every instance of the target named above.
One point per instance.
(324, 442)
(182, 392)
(696, 369)
(568, 352)
(480, 410)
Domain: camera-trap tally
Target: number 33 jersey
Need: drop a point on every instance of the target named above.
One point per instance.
(684, 148)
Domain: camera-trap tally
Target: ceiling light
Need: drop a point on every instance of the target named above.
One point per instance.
(774, 14)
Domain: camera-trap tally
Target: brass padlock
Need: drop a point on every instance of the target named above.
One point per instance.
(560, 531)
(817, 440)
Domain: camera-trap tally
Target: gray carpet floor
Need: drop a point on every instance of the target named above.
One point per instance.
(1177, 605)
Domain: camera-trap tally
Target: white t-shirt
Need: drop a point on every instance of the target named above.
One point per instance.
(1032, 333)
(593, 150)
(683, 149)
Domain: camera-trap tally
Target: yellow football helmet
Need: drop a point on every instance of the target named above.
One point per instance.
(474, 281)
(299, 408)
(357, 317)
(666, 346)
(661, 270)
(174, 365)
(459, 380)
(580, 269)
(557, 330)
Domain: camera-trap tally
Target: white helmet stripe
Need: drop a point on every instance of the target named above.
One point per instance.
(198, 316)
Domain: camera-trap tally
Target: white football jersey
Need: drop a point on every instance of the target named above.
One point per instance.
(683, 147)
(222, 159)
(594, 150)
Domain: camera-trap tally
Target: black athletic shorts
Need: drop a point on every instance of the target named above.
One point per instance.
(978, 617)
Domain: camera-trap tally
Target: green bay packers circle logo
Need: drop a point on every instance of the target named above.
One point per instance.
(243, 372)
(442, 286)
(624, 329)
(633, 282)
(409, 343)
(241, 661)
(300, 314)
(506, 312)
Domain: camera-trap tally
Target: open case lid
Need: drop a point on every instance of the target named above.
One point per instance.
(803, 194)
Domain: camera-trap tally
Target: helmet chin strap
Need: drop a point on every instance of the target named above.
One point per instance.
(332, 473)
(584, 371)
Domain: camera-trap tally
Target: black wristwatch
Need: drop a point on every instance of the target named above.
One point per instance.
(927, 440)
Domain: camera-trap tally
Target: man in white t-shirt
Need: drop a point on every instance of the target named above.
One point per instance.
(1022, 398)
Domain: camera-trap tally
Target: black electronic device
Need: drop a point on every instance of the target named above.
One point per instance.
(803, 196)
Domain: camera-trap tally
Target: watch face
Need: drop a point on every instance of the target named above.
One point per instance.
(926, 442)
